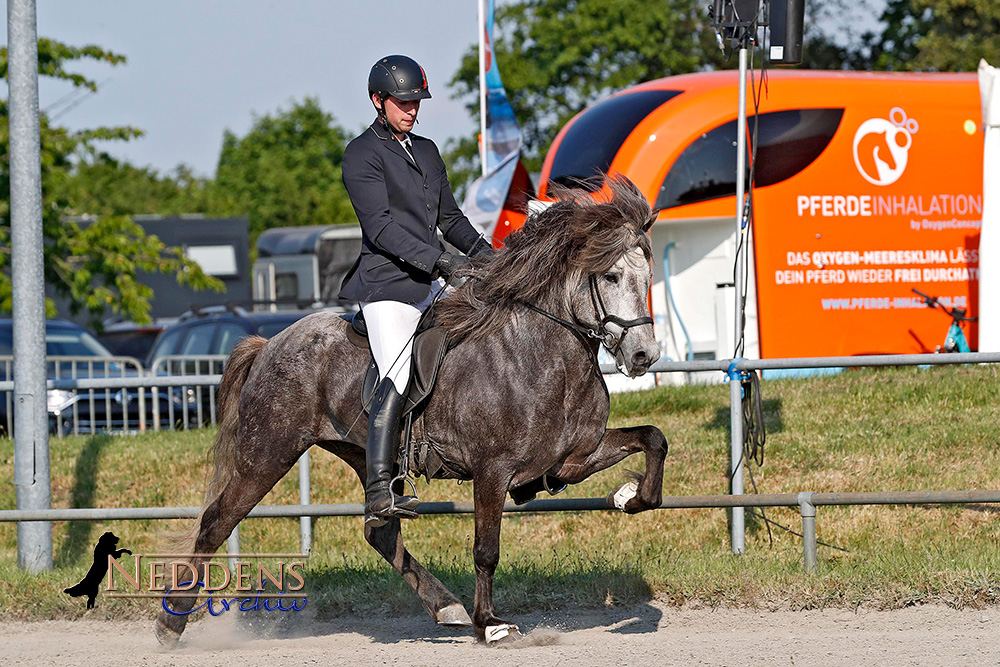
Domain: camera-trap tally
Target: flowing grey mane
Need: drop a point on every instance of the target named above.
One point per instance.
(581, 234)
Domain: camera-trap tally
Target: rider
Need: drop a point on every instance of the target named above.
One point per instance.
(399, 188)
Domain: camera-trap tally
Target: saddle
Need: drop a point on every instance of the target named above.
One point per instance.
(430, 344)
(419, 453)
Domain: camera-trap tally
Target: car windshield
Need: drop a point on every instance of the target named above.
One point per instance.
(269, 329)
(60, 342)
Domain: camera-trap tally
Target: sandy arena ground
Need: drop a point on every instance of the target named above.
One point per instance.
(647, 635)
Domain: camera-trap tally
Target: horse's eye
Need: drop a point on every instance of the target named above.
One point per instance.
(611, 278)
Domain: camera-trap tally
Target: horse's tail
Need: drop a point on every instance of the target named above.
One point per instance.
(223, 452)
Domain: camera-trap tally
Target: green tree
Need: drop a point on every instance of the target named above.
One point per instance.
(558, 56)
(100, 184)
(286, 170)
(937, 35)
(95, 268)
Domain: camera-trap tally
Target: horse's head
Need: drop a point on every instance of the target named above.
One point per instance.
(613, 305)
(614, 272)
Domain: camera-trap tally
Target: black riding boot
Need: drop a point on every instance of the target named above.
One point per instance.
(381, 451)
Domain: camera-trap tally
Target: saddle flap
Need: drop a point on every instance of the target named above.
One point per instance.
(429, 349)
(369, 383)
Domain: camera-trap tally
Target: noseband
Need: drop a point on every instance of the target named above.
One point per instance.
(611, 342)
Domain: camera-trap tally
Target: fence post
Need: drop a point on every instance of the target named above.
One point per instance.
(737, 537)
(808, 511)
(305, 522)
(233, 547)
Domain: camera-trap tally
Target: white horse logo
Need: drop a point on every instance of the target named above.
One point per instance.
(881, 147)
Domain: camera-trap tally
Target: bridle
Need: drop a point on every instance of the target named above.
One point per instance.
(611, 342)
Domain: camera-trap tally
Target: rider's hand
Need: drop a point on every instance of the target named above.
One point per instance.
(447, 264)
(482, 248)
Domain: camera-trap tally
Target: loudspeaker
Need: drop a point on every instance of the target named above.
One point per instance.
(786, 23)
(746, 10)
(730, 13)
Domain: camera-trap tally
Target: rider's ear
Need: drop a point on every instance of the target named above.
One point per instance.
(652, 219)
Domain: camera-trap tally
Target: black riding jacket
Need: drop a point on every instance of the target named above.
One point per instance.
(401, 205)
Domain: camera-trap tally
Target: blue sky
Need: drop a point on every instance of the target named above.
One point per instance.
(197, 68)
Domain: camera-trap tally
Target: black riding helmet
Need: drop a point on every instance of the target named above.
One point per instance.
(398, 76)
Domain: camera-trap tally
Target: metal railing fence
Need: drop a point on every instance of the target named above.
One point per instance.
(87, 394)
(181, 372)
(197, 400)
(806, 501)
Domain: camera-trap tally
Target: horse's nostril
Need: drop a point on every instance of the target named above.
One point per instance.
(640, 359)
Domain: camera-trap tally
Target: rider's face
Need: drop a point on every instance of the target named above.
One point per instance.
(401, 114)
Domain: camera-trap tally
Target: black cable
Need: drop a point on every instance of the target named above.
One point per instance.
(754, 431)
(771, 522)
(749, 39)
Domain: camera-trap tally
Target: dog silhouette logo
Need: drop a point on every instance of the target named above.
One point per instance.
(92, 582)
(882, 146)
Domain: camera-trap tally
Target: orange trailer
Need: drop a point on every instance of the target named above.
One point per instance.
(867, 185)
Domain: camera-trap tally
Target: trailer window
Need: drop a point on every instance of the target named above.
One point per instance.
(788, 142)
(286, 287)
(592, 142)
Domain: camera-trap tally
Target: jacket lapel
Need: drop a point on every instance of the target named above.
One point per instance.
(393, 145)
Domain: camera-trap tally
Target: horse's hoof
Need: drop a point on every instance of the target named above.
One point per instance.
(624, 493)
(497, 635)
(167, 637)
(454, 615)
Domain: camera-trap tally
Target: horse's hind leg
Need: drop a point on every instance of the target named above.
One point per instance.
(387, 540)
(443, 606)
(617, 444)
(239, 495)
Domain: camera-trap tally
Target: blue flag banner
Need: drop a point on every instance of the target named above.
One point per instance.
(501, 143)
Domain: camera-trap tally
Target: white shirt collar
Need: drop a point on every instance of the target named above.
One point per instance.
(407, 145)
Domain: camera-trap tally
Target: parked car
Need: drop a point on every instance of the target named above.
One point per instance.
(209, 332)
(93, 410)
(129, 339)
(217, 330)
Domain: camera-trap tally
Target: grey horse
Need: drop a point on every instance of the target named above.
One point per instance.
(519, 403)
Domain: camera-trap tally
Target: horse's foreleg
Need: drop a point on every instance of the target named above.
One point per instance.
(617, 444)
(489, 497)
(387, 540)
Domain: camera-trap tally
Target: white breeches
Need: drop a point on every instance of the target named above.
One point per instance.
(390, 334)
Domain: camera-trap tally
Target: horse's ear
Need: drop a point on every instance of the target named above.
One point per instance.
(650, 221)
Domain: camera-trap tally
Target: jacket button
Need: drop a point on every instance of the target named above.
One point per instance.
(426, 186)
(428, 207)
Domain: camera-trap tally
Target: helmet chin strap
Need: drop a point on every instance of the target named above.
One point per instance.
(381, 114)
(385, 119)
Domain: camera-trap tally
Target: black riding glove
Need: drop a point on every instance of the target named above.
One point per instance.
(447, 264)
(481, 247)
